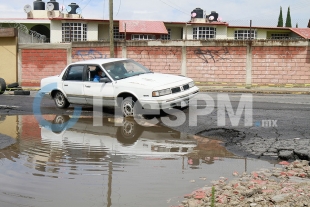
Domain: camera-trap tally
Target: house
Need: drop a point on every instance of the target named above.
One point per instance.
(58, 25)
(204, 48)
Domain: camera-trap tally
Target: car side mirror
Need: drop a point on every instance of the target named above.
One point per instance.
(104, 80)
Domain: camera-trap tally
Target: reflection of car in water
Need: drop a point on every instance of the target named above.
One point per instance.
(131, 137)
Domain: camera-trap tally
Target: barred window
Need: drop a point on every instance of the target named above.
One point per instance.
(118, 35)
(166, 36)
(279, 36)
(142, 37)
(204, 33)
(74, 32)
(245, 34)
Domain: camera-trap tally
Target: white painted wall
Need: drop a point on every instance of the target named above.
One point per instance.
(221, 32)
(92, 31)
(56, 32)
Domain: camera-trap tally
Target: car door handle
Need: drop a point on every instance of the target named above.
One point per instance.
(65, 85)
(87, 86)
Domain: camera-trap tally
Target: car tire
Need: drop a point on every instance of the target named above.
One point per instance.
(129, 132)
(21, 92)
(12, 85)
(60, 123)
(60, 100)
(2, 85)
(2, 117)
(129, 107)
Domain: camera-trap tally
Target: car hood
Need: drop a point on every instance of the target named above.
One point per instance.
(153, 80)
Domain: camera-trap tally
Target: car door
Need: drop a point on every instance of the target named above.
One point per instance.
(96, 92)
(73, 84)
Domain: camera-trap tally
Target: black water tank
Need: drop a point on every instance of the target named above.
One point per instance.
(199, 13)
(55, 3)
(214, 14)
(38, 5)
(73, 6)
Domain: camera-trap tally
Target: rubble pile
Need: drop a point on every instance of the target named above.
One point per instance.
(285, 186)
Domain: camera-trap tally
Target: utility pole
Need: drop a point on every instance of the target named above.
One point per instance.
(111, 29)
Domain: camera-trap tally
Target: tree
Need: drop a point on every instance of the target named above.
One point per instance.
(288, 22)
(280, 20)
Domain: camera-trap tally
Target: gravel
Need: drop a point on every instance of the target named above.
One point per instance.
(288, 185)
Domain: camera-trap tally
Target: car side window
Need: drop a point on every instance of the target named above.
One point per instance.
(75, 73)
(92, 71)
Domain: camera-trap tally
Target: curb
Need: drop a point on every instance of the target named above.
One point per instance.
(233, 89)
(262, 91)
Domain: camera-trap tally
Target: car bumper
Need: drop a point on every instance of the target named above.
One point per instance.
(171, 101)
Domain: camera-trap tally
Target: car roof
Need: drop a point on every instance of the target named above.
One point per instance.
(99, 61)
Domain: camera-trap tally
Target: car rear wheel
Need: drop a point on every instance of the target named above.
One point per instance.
(2, 86)
(60, 100)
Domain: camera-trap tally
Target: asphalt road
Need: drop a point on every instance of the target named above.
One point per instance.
(265, 126)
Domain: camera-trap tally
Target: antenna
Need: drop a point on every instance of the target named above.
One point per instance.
(27, 8)
(49, 6)
(78, 10)
(62, 8)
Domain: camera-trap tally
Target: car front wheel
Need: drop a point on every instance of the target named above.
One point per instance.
(129, 107)
(60, 100)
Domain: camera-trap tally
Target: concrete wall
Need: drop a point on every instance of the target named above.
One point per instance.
(207, 62)
(56, 32)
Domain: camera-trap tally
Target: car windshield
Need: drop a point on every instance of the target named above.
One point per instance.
(125, 69)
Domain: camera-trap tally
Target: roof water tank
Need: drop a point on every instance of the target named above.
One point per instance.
(199, 13)
(73, 6)
(55, 3)
(214, 16)
(38, 5)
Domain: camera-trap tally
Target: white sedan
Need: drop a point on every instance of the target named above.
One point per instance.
(123, 82)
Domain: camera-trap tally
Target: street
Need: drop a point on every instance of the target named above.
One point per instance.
(269, 126)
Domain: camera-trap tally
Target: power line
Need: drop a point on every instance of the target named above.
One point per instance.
(174, 7)
(86, 4)
(119, 6)
(103, 7)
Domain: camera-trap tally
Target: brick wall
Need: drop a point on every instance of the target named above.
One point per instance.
(210, 63)
(280, 65)
(30, 127)
(217, 64)
(41, 63)
(158, 59)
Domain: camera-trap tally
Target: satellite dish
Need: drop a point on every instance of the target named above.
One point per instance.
(219, 19)
(78, 10)
(27, 8)
(49, 6)
(211, 18)
(68, 8)
(193, 14)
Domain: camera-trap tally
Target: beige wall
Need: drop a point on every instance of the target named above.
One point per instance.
(9, 126)
(103, 33)
(8, 58)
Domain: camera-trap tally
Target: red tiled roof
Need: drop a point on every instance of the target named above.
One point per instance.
(142, 27)
(303, 32)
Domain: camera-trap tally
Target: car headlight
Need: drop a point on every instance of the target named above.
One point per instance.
(191, 84)
(161, 92)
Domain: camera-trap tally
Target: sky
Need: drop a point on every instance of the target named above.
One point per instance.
(235, 12)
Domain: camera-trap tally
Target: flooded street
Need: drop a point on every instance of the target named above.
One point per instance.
(119, 163)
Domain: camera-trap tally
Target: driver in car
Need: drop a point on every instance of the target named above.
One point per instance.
(98, 75)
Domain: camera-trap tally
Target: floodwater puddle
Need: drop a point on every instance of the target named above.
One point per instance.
(114, 163)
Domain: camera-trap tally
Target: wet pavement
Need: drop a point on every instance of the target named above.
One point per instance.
(119, 163)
